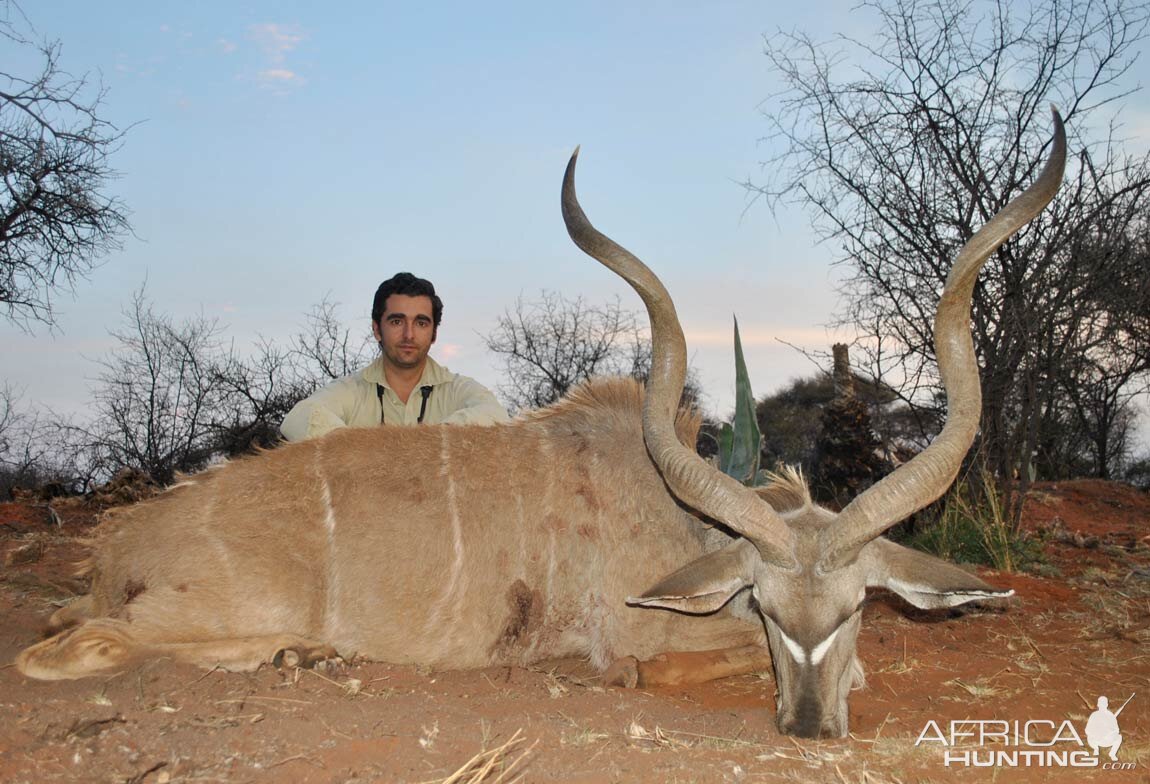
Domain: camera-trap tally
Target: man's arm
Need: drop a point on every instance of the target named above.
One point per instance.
(320, 413)
(474, 404)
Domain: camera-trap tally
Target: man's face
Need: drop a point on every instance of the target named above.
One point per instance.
(406, 330)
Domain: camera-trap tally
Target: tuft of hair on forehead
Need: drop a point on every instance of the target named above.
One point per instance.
(786, 490)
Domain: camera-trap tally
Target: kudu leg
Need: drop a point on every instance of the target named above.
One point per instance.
(687, 667)
(78, 611)
(244, 654)
(98, 647)
(106, 646)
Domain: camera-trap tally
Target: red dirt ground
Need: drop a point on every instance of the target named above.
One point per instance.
(1077, 632)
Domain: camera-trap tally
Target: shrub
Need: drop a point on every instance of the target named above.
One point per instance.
(967, 526)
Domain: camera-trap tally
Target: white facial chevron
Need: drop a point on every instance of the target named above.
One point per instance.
(816, 655)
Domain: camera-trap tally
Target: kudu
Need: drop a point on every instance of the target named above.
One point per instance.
(808, 568)
(467, 546)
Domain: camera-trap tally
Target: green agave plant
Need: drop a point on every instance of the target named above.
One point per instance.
(740, 441)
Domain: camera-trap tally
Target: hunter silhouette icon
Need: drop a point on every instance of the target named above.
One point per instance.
(1102, 728)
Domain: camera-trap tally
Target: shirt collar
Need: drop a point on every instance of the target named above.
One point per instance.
(433, 374)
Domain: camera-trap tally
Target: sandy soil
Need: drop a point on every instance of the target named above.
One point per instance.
(1079, 632)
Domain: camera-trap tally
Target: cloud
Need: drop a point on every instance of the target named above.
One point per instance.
(276, 41)
(279, 75)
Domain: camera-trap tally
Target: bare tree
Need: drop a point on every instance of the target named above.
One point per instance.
(256, 394)
(25, 449)
(9, 415)
(18, 450)
(158, 394)
(56, 218)
(551, 344)
(39, 447)
(1100, 380)
(326, 350)
(171, 396)
(260, 389)
(940, 119)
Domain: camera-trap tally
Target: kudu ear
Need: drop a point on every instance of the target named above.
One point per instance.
(705, 584)
(927, 582)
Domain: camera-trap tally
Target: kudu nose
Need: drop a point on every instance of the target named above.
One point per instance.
(811, 731)
(808, 721)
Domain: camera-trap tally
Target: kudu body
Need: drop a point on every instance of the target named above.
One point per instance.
(451, 546)
(467, 546)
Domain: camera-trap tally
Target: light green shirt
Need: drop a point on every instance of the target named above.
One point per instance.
(354, 401)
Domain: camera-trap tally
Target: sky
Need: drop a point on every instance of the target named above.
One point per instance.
(278, 153)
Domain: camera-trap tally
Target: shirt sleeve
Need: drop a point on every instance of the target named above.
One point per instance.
(474, 404)
(320, 413)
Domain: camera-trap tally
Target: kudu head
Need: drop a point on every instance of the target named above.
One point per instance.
(808, 568)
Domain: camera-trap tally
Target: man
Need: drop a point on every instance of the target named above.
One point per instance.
(404, 386)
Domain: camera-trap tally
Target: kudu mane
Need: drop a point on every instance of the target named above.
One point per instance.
(609, 404)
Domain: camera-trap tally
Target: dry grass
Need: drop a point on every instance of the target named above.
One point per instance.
(583, 736)
(555, 687)
(1120, 607)
(980, 689)
(1092, 574)
(351, 687)
(638, 734)
(580, 735)
(1043, 497)
(864, 776)
(1028, 658)
(902, 666)
(495, 766)
(1138, 753)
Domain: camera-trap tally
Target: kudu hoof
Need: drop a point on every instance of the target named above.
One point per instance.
(304, 657)
(622, 672)
(336, 665)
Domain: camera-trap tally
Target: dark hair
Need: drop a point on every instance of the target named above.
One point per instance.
(410, 286)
